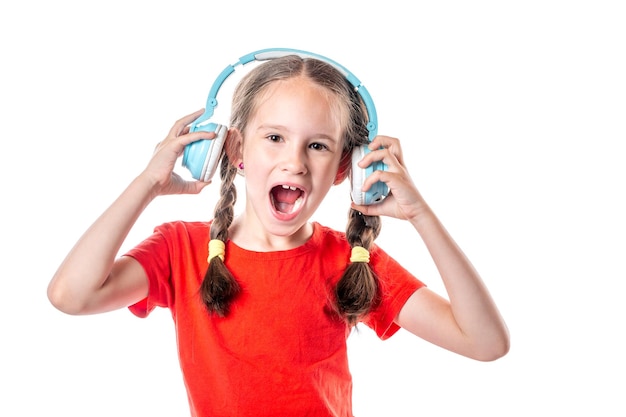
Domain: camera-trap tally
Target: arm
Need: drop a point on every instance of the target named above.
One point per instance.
(468, 322)
(90, 279)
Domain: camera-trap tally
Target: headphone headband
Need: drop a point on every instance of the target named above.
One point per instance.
(202, 157)
(273, 53)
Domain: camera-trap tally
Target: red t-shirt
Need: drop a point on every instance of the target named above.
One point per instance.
(282, 350)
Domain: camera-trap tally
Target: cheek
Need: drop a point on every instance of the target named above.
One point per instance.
(255, 174)
(328, 171)
(345, 164)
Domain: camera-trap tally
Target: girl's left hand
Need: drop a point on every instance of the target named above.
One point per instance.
(404, 201)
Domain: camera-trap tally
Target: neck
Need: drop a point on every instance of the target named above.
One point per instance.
(253, 236)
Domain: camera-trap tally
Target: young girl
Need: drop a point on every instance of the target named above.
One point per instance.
(263, 302)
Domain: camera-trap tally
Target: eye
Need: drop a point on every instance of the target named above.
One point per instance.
(318, 146)
(274, 138)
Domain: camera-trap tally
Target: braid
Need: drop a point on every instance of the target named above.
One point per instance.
(357, 291)
(219, 287)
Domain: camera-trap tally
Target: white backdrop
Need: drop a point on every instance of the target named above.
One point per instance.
(511, 115)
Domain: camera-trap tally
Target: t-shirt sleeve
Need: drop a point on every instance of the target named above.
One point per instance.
(153, 255)
(396, 286)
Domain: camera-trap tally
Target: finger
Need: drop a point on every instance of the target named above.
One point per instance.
(180, 136)
(373, 178)
(377, 209)
(381, 155)
(390, 143)
(194, 187)
(183, 122)
(380, 141)
(376, 154)
(177, 144)
(188, 138)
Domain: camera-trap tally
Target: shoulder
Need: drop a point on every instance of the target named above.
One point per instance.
(325, 236)
(182, 229)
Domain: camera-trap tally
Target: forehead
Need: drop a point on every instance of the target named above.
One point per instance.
(305, 88)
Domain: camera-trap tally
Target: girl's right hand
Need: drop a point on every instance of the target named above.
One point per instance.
(160, 169)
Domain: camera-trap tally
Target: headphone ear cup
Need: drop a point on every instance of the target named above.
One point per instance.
(357, 176)
(378, 191)
(202, 157)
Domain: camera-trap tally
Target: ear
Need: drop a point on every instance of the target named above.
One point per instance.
(344, 168)
(234, 147)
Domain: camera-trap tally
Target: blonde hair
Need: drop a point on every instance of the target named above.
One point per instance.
(357, 291)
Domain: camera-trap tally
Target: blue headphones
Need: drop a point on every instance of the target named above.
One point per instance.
(201, 157)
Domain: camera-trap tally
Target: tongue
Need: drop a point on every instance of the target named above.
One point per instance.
(284, 198)
(286, 195)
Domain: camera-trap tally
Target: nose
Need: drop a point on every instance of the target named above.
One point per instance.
(294, 161)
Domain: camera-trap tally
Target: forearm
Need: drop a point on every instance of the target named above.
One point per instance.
(471, 304)
(88, 265)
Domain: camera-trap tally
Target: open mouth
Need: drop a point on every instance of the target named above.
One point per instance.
(286, 199)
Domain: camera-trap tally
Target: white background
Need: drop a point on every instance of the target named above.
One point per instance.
(512, 118)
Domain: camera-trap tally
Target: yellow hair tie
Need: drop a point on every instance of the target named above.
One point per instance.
(216, 248)
(360, 254)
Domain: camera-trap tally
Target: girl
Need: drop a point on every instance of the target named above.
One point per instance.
(262, 316)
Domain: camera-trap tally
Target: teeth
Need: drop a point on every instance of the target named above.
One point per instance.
(297, 204)
(290, 188)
